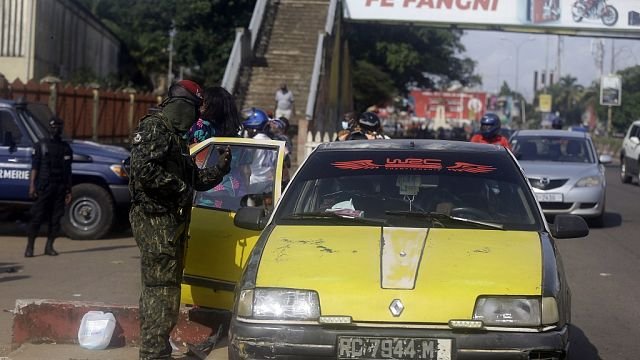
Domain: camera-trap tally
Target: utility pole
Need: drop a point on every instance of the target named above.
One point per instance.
(613, 56)
(559, 56)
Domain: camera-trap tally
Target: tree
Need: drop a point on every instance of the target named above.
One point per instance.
(566, 96)
(407, 53)
(205, 31)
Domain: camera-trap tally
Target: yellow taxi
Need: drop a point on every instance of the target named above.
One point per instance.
(392, 249)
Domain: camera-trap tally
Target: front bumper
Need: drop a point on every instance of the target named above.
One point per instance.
(587, 201)
(275, 341)
(121, 195)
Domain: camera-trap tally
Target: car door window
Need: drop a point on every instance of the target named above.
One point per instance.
(249, 183)
(9, 129)
(635, 131)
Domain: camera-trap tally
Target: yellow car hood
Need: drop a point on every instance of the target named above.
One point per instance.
(436, 273)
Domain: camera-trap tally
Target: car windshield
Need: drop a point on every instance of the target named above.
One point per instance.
(411, 189)
(553, 148)
(37, 118)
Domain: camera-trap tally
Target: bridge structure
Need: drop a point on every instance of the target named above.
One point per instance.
(303, 43)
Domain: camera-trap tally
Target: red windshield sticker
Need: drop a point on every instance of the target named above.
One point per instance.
(471, 168)
(356, 165)
(414, 164)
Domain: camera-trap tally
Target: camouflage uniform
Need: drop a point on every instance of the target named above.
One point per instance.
(163, 177)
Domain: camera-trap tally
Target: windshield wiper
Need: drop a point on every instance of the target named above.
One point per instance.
(321, 215)
(440, 218)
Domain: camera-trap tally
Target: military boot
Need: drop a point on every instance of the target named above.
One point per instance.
(48, 249)
(30, 242)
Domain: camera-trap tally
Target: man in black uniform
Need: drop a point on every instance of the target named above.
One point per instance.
(50, 186)
(162, 180)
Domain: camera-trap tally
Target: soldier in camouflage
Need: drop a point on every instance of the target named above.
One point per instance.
(162, 179)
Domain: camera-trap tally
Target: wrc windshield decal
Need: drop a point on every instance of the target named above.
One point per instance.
(414, 164)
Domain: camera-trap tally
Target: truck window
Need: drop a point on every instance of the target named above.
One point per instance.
(9, 128)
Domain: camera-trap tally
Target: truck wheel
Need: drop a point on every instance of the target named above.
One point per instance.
(90, 214)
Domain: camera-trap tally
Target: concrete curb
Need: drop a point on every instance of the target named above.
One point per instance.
(50, 321)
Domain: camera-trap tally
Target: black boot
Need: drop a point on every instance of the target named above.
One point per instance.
(48, 249)
(29, 251)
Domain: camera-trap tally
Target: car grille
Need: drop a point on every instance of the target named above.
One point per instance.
(547, 184)
(555, 206)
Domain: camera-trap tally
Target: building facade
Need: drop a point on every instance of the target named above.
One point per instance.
(53, 37)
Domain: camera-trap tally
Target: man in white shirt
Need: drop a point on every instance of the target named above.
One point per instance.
(284, 102)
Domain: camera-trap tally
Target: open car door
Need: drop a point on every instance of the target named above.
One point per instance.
(218, 250)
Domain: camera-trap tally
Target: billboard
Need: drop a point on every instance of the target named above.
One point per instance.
(617, 18)
(611, 90)
(449, 105)
(544, 101)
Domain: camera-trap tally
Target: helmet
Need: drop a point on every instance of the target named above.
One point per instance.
(556, 123)
(369, 121)
(255, 119)
(489, 125)
(187, 89)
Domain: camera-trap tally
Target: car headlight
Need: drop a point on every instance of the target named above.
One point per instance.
(508, 311)
(118, 170)
(279, 304)
(589, 181)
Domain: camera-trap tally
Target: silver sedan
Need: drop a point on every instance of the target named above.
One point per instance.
(564, 170)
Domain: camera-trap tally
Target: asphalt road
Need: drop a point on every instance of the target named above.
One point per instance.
(602, 269)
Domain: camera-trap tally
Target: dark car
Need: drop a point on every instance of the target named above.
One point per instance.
(100, 186)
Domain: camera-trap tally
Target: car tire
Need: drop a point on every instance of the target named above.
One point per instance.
(90, 214)
(624, 176)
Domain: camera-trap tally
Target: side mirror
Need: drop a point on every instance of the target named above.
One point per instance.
(605, 159)
(634, 140)
(569, 226)
(250, 218)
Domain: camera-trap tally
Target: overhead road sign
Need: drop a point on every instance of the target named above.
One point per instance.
(619, 18)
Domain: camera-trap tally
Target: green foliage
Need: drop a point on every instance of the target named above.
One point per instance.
(406, 53)
(205, 31)
(372, 86)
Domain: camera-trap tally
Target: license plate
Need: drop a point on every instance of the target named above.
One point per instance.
(353, 347)
(549, 197)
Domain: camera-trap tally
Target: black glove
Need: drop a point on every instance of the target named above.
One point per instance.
(224, 160)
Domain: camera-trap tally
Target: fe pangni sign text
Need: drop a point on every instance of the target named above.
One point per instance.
(547, 16)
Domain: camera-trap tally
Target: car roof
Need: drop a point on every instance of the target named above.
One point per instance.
(551, 133)
(408, 144)
(7, 103)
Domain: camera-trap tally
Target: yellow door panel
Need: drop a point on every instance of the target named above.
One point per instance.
(454, 268)
(218, 250)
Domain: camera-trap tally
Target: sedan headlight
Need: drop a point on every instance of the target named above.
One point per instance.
(589, 181)
(508, 311)
(279, 304)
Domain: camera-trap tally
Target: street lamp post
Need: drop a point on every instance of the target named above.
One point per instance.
(517, 46)
(172, 34)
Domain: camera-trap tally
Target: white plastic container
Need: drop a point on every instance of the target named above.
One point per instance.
(96, 329)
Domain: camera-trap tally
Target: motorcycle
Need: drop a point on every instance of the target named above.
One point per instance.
(607, 13)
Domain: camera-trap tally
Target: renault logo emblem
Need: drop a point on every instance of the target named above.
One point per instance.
(396, 307)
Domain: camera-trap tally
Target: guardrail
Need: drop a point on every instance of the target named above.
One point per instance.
(243, 47)
(317, 64)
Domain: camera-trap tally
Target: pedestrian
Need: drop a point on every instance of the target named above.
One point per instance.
(219, 116)
(284, 102)
(162, 180)
(490, 131)
(256, 124)
(5, 87)
(49, 185)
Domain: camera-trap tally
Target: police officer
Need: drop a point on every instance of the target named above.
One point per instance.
(162, 180)
(50, 185)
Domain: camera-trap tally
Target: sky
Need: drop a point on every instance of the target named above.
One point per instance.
(495, 54)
